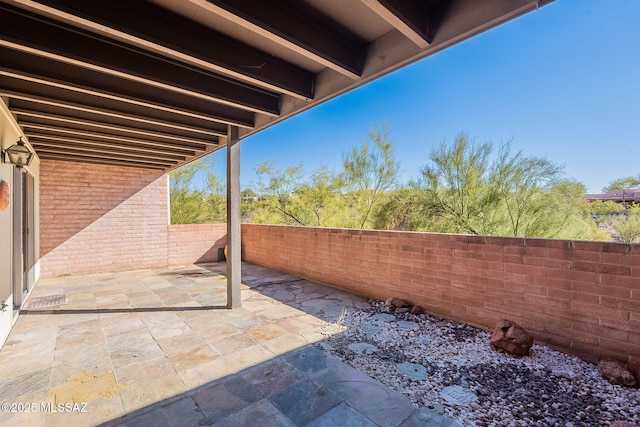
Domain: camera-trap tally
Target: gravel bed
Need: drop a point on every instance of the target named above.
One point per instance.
(422, 355)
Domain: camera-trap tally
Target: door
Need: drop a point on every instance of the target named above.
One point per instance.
(23, 242)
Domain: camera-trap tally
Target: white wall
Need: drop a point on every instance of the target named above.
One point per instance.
(9, 134)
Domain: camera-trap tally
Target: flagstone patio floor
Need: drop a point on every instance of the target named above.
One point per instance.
(157, 347)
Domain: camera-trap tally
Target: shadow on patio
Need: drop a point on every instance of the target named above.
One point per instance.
(157, 347)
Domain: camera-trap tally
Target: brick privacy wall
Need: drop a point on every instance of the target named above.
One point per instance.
(579, 297)
(96, 218)
(195, 243)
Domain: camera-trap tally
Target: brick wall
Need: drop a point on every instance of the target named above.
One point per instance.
(579, 297)
(96, 218)
(194, 243)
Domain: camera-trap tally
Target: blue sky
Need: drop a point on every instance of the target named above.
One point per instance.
(562, 83)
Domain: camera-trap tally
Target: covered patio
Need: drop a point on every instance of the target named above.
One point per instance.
(157, 347)
(110, 98)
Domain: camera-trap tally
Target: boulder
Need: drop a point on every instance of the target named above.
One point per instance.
(400, 303)
(634, 368)
(512, 338)
(417, 310)
(616, 373)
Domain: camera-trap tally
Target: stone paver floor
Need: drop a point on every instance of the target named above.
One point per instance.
(157, 347)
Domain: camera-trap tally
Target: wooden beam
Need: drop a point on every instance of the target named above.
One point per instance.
(111, 137)
(39, 36)
(298, 27)
(410, 17)
(102, 152)
(17, 65)
(101, 160)
(78, 122)
(160, 118)
(145, 25)
(63, 141)
(92, 97)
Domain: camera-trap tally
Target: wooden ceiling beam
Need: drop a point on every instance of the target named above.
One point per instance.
(36, 35)
(43, 152)
(101, 161)
(410, 17)
(145, 25)
(107, 127)
(109, 137)
(58, 138)
(132, 154)
(92, 96)
(159, 118)
(298, 27)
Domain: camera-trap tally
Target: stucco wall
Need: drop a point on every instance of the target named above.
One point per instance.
(10, 226)
(580, 297)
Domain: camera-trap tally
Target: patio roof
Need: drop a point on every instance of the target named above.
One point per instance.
(156, 84)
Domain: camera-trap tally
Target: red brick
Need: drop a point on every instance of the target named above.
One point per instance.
(597, 267)
(564, 296)
(547, 262)
(525, 251)
(97, 224)
(528, 270)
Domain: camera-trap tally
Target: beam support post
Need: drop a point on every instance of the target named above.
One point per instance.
(234, 265)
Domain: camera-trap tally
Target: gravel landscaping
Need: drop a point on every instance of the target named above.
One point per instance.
(452, 369)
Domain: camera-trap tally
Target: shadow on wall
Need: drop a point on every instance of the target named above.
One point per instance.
(196, 243)
(101, 218)
(75, 195)
(214, 253)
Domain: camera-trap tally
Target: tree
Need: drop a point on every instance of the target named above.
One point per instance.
(628, 225)
(277, 189)
(456, 182)
(511, 195)
(623, 183)
(285, 197)
(605, 208)
(369, 171)
(403, 209)
(190, 204)
(322, 193)
(520, 184)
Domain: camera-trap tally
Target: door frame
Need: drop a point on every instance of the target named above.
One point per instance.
(23, 235)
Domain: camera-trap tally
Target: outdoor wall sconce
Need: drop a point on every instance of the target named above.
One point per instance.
(18, 154)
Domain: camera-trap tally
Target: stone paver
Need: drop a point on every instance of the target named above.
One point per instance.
(157, 347)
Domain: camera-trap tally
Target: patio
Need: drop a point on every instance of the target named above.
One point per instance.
(158, 347)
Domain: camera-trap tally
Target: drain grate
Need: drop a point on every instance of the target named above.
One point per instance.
(48, 301)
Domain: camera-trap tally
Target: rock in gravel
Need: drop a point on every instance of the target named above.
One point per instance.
(616, 373)
(417, 310)
(362, 348)
(412, 371)
(408, 325)
(544, 389)
(634, 368)
(623, 424)
(512, 338)
(458, 395)
(400, 303)
(384, 317)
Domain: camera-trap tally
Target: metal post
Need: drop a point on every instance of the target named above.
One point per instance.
(233, 219)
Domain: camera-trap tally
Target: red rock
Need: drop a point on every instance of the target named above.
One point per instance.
(634, 368)
(417, 310)
(400, 303)
(512, 338)
(616, 373)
